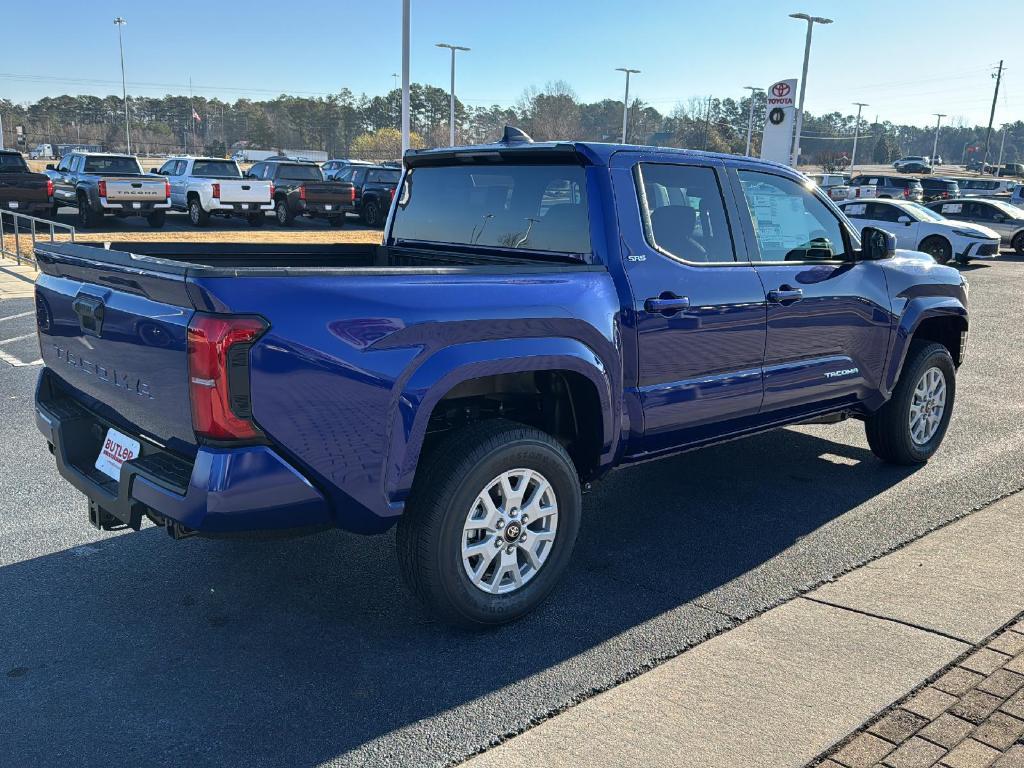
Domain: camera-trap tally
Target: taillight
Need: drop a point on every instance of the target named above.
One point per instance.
(271, 190)
(218, 375)
(216, 190)
(302, 193)
(352, 195)
(49, 187)
(906, 191)
(392, 194)
(167, 189)
(102, 188)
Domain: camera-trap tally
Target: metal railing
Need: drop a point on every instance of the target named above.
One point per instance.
(13, 226)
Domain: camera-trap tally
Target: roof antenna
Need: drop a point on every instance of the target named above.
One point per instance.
(515, 136)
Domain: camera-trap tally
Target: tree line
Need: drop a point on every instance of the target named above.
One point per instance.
(346, 125)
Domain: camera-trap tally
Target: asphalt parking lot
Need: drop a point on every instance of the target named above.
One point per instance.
(133, 649)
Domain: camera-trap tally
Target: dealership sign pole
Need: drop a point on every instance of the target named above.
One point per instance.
(780, 107)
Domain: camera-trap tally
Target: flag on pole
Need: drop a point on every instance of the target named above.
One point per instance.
(195, 116)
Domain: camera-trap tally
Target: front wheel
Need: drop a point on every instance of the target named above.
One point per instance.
(938, 248)
(491, 523)
(910, 427)
(156, 219)
(371, 214)
(1018, 243)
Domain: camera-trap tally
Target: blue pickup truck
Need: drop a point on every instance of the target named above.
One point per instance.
(537, 315)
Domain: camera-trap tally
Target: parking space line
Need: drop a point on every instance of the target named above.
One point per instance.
(17, 338)
(15, 362)
(15, 317)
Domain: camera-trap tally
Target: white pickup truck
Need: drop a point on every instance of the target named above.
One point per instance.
(210, 186)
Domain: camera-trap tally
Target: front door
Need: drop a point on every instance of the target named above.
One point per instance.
(829, 315)
(697, 304)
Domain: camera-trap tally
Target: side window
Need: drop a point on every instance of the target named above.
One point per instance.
(77, 161)
(167, 169)
(65, 164)
(856, 211)
(884, 212)
(358, 175)
(791, 223)
(684, 214)
(343, 175)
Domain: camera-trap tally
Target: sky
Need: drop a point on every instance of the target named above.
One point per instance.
(906, 58)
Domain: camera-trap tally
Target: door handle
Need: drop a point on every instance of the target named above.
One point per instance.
(785, 295)
(667, 304)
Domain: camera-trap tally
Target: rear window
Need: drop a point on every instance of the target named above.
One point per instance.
(383, 177)
(10, 163)
(112, 165)
(215, 169)
(300, 173)
(526, 207)
(906, 183)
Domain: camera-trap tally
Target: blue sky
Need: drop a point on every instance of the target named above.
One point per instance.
(940, 61)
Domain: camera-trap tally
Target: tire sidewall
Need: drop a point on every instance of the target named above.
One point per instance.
(947, 249)
(470, 602)
(282, 218)
(195, 214)
(1018, 243)
(372, 215)
(939, 358)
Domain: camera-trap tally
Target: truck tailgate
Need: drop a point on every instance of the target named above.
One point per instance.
(329, 192)
(116, 335)
(247, 191)
(136, 190)
(22, 188)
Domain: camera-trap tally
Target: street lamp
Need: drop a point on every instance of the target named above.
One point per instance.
(405, 78)
(625, 99)
(451, 128)
(119, 22)
(750, 119)
(935, 144)
(856, 132)
(811, 21)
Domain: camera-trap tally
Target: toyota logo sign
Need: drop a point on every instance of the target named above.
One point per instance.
(780, 89)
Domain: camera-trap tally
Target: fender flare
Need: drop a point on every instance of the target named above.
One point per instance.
(916, 312)
(439, 373)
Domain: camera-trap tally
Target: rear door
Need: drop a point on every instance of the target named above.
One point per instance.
(698, 305)
(174, 170)
(828, 316)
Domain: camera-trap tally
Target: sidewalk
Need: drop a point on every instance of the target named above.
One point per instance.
(16, 282)
(788, 686)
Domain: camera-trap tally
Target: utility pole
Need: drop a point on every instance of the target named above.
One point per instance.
(405, 77)
(707, 125)
(856, 132)
(451, 119)
(1, 131)
(992, 115)
(124, 87)
(811, 21)
(750, 119)
(935, 144)
(1002, 144)
(625, 100)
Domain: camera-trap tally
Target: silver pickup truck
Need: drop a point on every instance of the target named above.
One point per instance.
(211, 186)
(99, 184)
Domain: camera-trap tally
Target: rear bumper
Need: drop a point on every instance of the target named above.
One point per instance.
(223, 491)
(31, 208)
(144, 207)
(216, 206)
(320, 209)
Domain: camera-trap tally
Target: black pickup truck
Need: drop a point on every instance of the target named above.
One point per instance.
(22, 190)
(375, 189)
(300, 190)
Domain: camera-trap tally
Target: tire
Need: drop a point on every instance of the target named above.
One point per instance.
(938, 248)
(433, 531)
(255, 219)
(371, 214)
(156, 219)
(337, 221)
(282, 214)
(889, 428)
(1018, 243)
(87, 217)
(196, 214)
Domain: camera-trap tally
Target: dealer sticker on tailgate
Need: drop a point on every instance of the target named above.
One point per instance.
(117, 449)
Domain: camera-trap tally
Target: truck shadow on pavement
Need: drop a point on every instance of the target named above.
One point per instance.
(136, 650)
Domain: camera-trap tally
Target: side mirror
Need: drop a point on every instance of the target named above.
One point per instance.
(155, 170)
(904, 220)
(51, 167)
(877, 244)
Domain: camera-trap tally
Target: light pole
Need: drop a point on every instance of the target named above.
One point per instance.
(405, 78)
(811, 20)
(451, 117)
(1002, 145)
(935, 144)
(856, 132)
(625, 100)
(750, 118)
(119, 22)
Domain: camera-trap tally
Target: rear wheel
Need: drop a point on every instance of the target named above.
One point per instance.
(1018, 243)
(491, 522)
(156, 219)
(910, 427)
(87, 217)
(196, 214)
(283, 215)
(371, 213)
(938, 248)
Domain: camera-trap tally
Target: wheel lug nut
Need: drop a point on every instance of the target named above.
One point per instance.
(501, 523)
(497, 543)
(525, 519)
(508, 551)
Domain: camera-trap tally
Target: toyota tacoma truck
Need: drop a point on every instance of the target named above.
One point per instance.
(300, 190)
(211, 186)
(22, 190)
(537, 315)
(100, 184)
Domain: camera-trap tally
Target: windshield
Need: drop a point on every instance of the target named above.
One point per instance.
(1010, 210)
(12, 163)
(526, 207)
(923, 213)
(100, 164)
(216, 169)
(301, 173)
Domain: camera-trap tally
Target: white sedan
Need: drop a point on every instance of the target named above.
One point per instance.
(921, 229)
